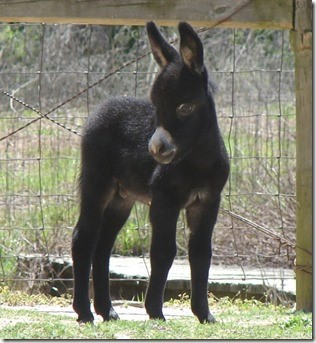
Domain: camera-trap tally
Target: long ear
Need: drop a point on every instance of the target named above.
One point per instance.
(163, 52)
(191, 48)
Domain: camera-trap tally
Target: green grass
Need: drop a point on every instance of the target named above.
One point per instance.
(243, 321)
(236, 320)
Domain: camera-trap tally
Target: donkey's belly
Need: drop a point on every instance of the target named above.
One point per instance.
(142, 195)
(133, 172)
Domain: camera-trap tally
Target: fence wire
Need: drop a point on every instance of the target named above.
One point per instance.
(53, 76)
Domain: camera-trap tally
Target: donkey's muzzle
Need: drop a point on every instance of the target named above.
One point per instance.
(161, 146)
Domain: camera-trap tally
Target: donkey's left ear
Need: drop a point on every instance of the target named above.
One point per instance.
(191, 48)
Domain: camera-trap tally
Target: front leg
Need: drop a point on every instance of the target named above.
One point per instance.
(201, 218)
(163, 217)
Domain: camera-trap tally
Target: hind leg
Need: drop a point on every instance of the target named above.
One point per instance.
(96, 190)
(114, 217)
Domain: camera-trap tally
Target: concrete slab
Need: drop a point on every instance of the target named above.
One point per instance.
(139, 268)
(131, 274)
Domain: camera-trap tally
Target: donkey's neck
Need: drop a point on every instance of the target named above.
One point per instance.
(208, 149)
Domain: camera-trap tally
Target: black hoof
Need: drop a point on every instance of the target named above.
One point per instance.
(209, 320)
(88, 319)
(108, 315)
(112, 315)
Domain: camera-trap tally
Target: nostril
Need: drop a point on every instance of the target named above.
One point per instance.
(153, 148)
(157, 149)
(162, 149)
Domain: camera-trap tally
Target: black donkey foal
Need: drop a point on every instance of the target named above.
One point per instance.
(168, 153)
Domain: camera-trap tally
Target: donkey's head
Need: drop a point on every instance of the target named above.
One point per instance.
(180, 93)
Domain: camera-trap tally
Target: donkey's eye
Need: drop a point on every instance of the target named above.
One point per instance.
(185, 109)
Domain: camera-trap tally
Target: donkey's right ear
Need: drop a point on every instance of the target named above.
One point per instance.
(163, 52)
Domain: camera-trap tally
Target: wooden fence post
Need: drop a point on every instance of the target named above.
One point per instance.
(302, 44)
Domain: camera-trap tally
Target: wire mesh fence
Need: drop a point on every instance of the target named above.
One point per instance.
(53, 76)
